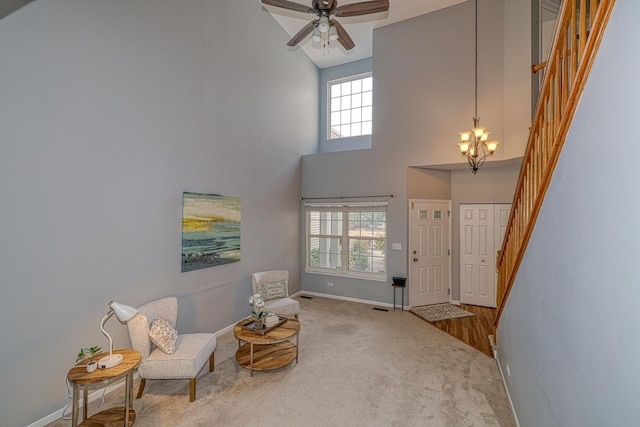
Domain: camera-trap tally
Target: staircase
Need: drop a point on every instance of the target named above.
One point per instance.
(579, 30)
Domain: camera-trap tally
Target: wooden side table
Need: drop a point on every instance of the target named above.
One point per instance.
(269, 351)
(81, 380)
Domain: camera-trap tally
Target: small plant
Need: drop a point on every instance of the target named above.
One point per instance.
(88, 353)
(258, 304)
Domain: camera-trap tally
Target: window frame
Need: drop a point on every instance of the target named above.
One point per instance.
(360, 76)
(345, 239)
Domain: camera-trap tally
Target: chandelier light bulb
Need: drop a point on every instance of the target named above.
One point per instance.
(464, 147)
(492, 146)
(478, 131)
(333, 33)
(323, 25)
(464, 136)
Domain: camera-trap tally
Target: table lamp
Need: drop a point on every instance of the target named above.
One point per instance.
(123, 313)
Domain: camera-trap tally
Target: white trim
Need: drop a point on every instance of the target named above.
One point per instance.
(506, 389)
(361, 301)
(454, 302)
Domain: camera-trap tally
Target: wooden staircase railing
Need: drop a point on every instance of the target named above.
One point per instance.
(579, 30)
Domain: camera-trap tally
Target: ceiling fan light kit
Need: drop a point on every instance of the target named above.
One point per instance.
(326, 27)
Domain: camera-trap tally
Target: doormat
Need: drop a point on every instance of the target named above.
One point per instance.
(433, 313)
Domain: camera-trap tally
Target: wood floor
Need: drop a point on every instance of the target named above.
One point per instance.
(473, 330)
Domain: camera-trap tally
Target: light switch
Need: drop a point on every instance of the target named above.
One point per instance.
(396, 246)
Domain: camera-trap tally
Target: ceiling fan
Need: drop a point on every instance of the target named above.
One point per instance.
(326, 11)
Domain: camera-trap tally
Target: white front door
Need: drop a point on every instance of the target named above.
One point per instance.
(429, 252)
(482, 228)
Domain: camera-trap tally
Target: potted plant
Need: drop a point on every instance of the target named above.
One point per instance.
(90, 354)
(258, 313)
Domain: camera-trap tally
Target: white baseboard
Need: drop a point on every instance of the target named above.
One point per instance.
(361, 301)
(455, 302)
(504, 382)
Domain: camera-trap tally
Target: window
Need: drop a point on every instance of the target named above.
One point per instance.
(351, 106)
(348, 240)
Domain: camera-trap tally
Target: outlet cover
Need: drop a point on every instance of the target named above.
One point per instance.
(396, 246)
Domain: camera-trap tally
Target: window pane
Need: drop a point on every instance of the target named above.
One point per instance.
(367, 128)
(335, 104)
(367, 84)
(346, 88)
(356, 100)
(367, 114)
(356, 115)
(325, 253)
(345, 117)
(356, 86)
(335, 118)
(356, 129)
(345, 130)
(335, 90)
(345, 102)
(367, 98)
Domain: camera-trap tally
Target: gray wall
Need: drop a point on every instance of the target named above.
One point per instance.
(569, 330)
(108, 112)
(423, 96)
(333, 73)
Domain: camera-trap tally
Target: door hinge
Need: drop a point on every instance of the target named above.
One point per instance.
(449, 252)
(449, 291)
(412, 205)
(449, 214)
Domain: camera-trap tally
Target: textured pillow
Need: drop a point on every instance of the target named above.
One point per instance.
(272, 290)
(163, 335)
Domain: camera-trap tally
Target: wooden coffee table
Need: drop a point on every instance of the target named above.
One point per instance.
(272, 350)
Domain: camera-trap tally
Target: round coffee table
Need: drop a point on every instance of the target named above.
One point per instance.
(272, 350)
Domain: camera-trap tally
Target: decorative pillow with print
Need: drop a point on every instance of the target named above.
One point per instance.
(272, 290)
(163, 335)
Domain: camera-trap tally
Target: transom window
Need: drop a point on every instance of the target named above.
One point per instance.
(348, 240)
(351, 106)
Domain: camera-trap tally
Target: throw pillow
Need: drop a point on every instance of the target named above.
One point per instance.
(272, 290)
(163, 335)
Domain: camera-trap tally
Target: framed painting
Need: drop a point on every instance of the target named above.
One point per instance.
(210, 230)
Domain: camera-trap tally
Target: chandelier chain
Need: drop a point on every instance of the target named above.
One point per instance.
(476, 69)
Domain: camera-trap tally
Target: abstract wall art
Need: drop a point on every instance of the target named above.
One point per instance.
(210, 230)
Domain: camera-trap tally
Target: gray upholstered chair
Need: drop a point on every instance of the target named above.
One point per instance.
(191, 350)
(274, 288)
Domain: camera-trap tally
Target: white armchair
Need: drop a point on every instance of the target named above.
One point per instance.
(189, 356)
(274, 288)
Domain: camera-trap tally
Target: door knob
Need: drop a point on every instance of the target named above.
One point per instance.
(415, 260)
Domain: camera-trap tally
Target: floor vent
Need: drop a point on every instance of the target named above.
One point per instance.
(306, 297)
(380, 309)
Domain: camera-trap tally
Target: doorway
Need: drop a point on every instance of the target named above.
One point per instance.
(429, 252)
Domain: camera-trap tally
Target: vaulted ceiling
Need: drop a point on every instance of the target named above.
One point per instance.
(359, 28)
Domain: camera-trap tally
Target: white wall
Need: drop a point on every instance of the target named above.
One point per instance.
(569, 329)
(109, 110)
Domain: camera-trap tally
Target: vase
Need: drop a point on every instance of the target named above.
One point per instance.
(92, 366)
(258, 323)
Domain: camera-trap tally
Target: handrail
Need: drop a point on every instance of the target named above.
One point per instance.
(581, 24)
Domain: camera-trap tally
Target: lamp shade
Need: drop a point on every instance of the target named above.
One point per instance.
(123, 312)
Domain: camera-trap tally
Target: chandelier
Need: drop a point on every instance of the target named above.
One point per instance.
(473, 144)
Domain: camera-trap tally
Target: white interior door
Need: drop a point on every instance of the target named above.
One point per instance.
(429, 252)
(482, 228)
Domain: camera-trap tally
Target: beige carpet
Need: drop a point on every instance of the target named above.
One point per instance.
(358, 367)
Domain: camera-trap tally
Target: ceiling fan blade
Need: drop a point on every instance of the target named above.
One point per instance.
(343, 37)
(362, 8)
(304, 32)
(285, 4)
